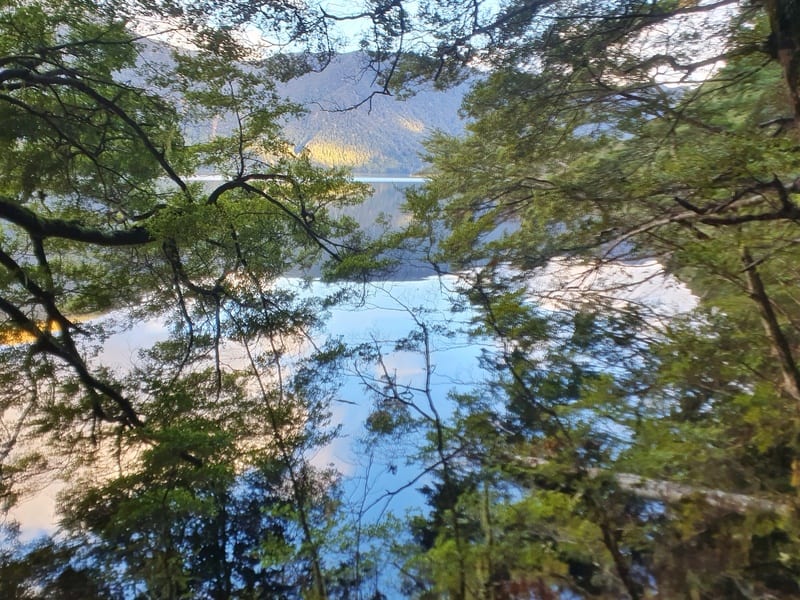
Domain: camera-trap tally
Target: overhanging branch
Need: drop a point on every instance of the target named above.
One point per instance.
(43, 228)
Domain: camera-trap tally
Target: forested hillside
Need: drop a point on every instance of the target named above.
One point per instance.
(382, 136)
(348, 119)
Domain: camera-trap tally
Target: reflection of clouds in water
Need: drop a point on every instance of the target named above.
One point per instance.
(383, 315)
(405, 367)
(376, 472)
(121, 350)
(376, 316)
(37, 514)
(380, 312)
(335, 455)
(565, 283)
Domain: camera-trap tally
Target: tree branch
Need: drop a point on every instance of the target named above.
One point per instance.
(672, 492)
(780, 345)
(36, 225)
(27, 78)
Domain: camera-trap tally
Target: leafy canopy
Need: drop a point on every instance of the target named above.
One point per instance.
(188, 472)
(620, 450)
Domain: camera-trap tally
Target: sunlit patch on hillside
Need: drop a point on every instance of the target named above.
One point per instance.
(330, 154)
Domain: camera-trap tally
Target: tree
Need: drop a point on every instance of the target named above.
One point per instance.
(649, 453)
(169, 464)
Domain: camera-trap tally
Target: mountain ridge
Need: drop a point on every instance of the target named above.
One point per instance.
(347, 124)
(348, 121)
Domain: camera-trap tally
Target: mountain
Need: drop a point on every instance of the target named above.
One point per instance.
(381, 136)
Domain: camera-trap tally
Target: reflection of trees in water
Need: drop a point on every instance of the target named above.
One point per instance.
(384, 204)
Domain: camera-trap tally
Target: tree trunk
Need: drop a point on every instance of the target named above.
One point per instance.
(671, 492)
(780, 345)
(784, 20)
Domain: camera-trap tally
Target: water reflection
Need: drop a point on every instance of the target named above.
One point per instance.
(384, 209)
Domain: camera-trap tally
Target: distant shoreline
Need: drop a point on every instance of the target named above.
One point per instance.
(388, 179)
(359, 178)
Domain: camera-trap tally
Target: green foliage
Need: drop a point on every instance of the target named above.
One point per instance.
(613, 450)
(185, 473)
(623, 449)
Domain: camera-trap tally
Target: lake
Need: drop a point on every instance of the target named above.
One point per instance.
(382, 313)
